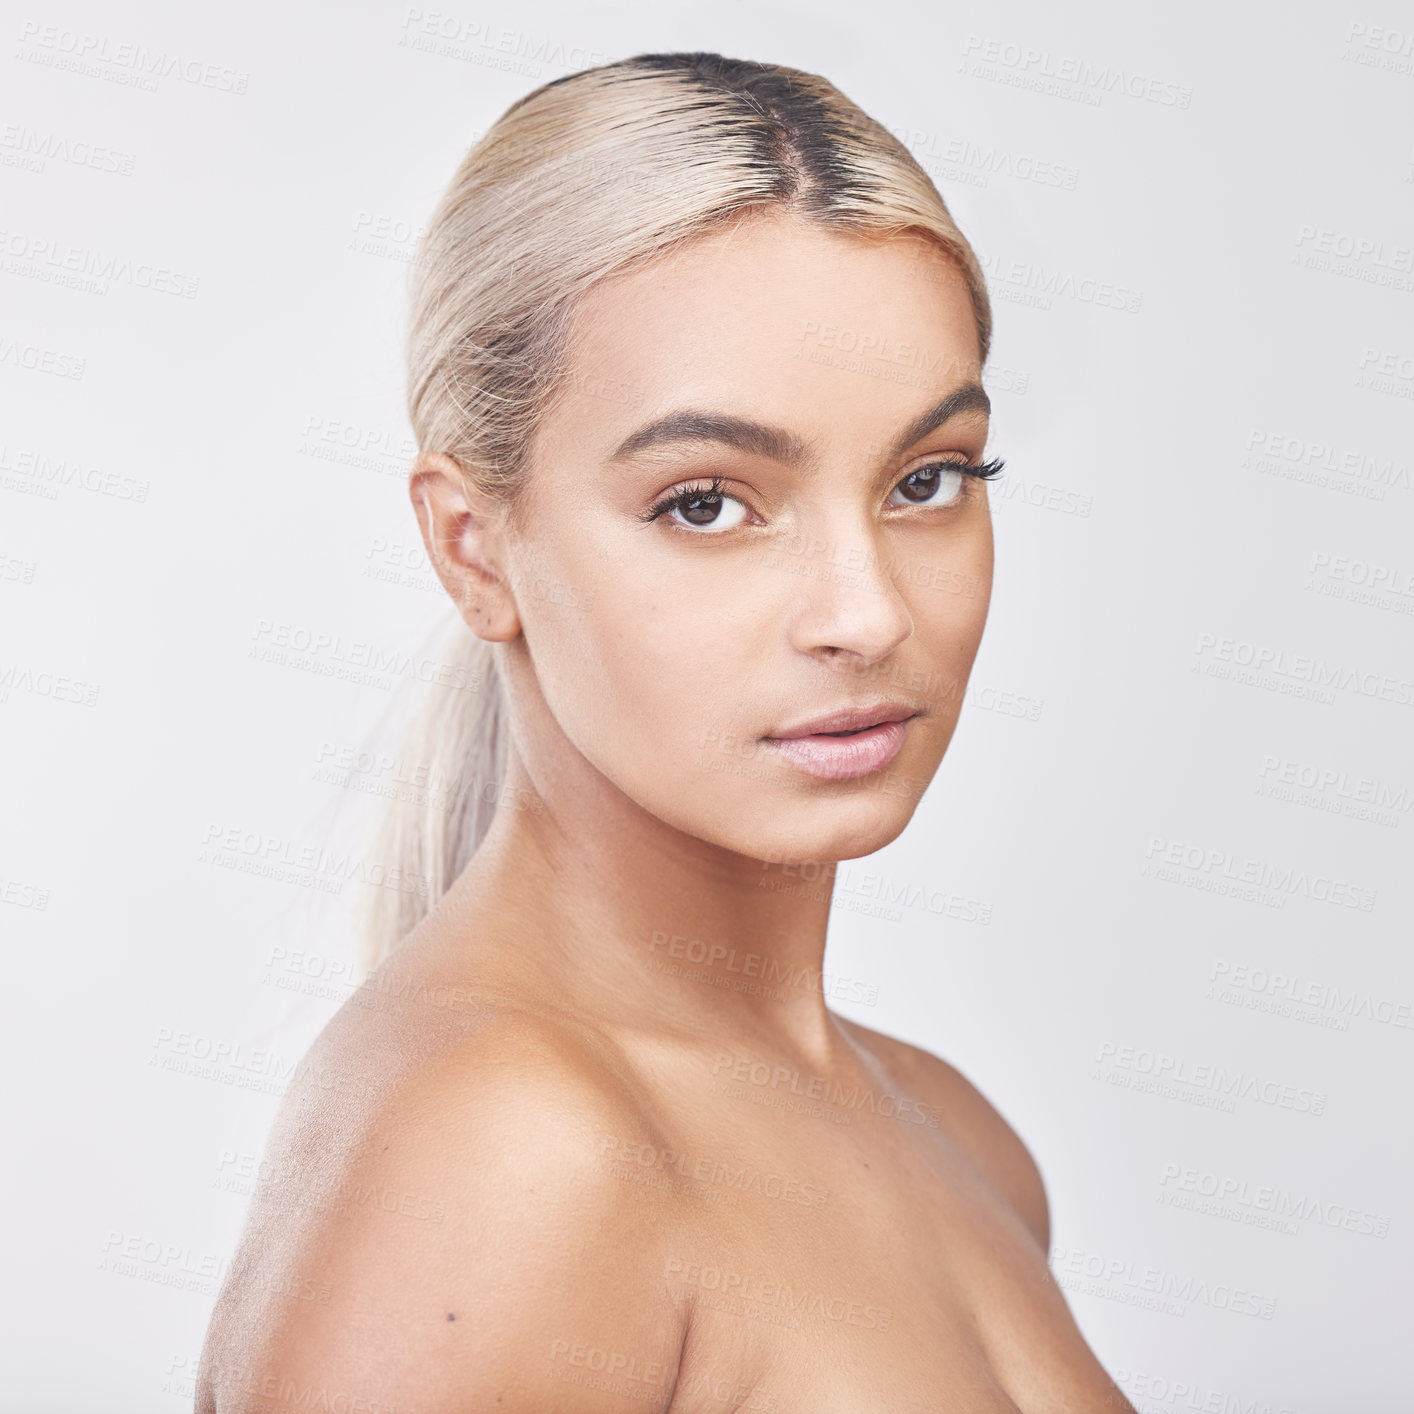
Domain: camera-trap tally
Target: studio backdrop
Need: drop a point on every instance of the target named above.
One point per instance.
(1157, 902)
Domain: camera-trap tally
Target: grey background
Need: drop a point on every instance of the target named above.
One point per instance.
(1198, 231)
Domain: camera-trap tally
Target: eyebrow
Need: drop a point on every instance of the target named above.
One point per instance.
(762, 439)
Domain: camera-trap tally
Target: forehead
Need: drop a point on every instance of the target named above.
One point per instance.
(774, 316)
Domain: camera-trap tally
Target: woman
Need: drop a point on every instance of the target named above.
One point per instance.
(589, 1138)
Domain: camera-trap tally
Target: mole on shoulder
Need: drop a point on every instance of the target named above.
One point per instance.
(450, 1317)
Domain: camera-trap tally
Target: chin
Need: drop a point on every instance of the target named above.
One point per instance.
(856, 830)
(819, 831)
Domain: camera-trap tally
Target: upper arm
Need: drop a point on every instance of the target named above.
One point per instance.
(472, 1251)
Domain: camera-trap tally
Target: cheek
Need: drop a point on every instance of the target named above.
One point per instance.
(949, 607)
(636, 654)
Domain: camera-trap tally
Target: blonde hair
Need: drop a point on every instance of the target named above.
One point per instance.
(590, 175)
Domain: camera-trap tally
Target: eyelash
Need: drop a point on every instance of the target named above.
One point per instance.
(716, 486)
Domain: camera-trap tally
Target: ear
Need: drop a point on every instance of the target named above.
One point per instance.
(462, 531)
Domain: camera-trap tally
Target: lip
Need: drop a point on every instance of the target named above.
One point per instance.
(876, 736)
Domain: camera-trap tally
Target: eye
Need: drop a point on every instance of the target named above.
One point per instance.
(937, 485)
(703, 509)
(941, 483)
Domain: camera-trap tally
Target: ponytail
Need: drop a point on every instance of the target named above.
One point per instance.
(450, 745)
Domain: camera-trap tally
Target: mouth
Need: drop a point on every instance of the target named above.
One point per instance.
(845, 745)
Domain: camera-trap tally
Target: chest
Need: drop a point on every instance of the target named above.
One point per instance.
(878, 1272)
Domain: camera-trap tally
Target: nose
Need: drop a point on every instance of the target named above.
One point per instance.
(849, 610)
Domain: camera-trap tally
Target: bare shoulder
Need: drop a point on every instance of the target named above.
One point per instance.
(970, 1118)
(437, 1227)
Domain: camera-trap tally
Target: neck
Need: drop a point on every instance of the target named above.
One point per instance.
(580, 896)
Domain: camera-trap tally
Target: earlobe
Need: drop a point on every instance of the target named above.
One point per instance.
(462, 543)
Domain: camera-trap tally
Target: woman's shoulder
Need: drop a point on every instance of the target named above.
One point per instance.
(425, 1047)
(440, 1214)
(478, 1093)
(969, 1117)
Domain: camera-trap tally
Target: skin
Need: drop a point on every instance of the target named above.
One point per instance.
(555, 1136)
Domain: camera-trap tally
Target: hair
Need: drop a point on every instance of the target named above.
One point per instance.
(592, 175)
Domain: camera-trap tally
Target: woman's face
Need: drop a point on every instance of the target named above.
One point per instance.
(788, 380)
